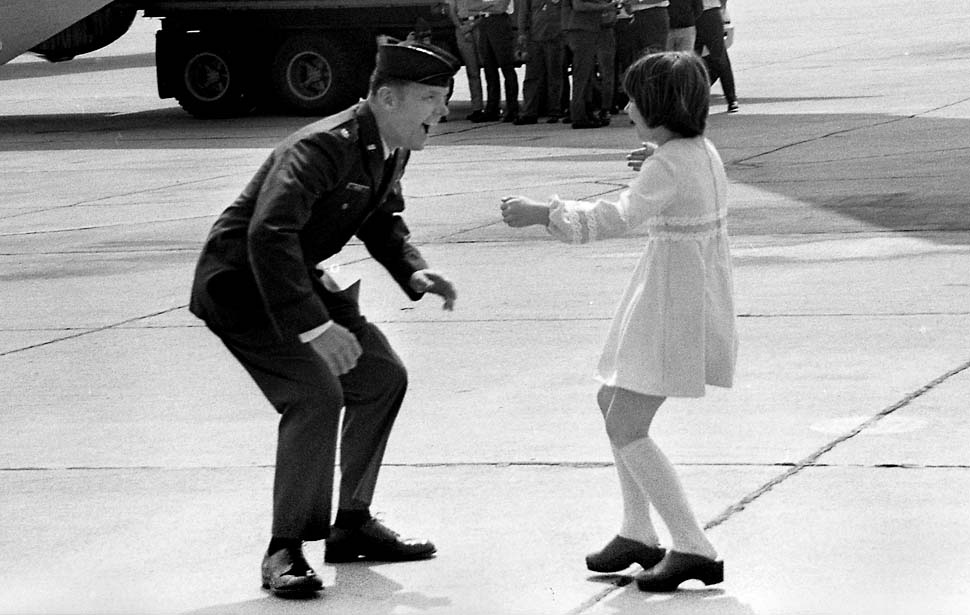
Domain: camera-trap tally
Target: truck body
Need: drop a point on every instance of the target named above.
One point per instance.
(222, 58)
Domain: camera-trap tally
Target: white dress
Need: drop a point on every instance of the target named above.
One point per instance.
(674, 329)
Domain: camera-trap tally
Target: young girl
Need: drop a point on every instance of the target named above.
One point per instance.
(673, 332)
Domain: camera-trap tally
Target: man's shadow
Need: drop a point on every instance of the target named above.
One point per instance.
(356, 588)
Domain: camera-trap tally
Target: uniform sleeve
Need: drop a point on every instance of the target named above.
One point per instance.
(583, 221)
(300, 174)
(387, 238)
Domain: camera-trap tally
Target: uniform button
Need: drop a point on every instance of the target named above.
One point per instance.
(345, 206)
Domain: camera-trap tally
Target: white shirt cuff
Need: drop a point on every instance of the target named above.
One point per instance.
(315, 332)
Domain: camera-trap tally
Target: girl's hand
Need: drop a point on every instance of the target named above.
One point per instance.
(635, 159)
(519, 211)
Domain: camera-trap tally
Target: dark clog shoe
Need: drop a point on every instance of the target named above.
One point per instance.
(677, 567)
(620, 553)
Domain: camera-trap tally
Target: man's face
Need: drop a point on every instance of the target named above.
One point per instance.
(412, 109)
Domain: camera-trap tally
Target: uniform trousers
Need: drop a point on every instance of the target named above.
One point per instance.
(309, 398)
(710, 34)
(625, 55)
(651, 28)
(496, 48)
(468, 48)
(587, 48)
(542, 86)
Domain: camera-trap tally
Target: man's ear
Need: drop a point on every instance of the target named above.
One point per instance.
(387, 96)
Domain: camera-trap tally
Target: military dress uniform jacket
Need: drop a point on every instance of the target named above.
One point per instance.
(321, 186)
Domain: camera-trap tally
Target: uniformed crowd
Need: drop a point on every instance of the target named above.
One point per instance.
(575, 53)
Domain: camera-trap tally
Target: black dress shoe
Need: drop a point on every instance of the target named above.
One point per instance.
(286, 573)
(586, 124)
(525, 120)
(372, 541)
(620, 553)
(677, 567)
(552, 119)
(510, 118)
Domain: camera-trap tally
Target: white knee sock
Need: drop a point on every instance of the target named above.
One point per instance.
(636, 508)
(656, 476)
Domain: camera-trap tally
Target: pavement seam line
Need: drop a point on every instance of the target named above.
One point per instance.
(89, 331)
(811, 459)
(103, 226)
(743, 161)
(582, 465)
(109, 197)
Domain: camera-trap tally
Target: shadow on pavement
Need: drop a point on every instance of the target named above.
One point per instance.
(357, 589)
(831, 173)
(631, 601)
(32, 70)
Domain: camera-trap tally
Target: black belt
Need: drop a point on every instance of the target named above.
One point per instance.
(482, 16)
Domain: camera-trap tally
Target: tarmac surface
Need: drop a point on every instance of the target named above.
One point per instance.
(136, 456)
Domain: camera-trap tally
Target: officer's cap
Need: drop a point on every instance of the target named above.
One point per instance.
(416, 61)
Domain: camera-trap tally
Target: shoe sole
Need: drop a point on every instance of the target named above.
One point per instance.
(349, 558)
(712, 576)
(293, 591)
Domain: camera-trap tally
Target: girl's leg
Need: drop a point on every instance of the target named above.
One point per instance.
(628, 422)
(636, 523)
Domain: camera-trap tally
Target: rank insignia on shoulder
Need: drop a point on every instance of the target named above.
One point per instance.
(344, 133)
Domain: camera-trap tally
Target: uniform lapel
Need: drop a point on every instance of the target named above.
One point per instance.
(373, 150)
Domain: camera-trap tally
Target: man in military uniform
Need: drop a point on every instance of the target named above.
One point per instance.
(299, 332)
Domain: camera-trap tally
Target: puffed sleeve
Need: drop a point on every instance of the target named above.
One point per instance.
(583, 221)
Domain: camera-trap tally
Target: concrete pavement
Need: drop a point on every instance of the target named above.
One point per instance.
(135, 459)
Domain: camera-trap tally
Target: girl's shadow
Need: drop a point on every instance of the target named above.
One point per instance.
(629, 600)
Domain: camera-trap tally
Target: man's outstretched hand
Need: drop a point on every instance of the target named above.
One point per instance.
(431, 281)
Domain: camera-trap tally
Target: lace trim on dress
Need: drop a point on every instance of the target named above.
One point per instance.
(685, 228)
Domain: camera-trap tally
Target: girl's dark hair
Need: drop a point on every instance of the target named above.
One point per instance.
(670, 89)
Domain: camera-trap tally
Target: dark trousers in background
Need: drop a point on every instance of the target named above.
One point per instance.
(542, 86)
(710, 33)
(582, 44)
(651, 28)
(606, 71)
(625, 54)
(308, 397)
(496, 48)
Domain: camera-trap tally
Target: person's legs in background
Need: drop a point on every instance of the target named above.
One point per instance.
(710, 34)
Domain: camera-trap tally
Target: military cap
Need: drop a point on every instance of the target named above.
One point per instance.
(416, 61)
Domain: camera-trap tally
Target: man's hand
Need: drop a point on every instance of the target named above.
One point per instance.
(519, 211)
(635, 159)
(430, 281)
(338, 347)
